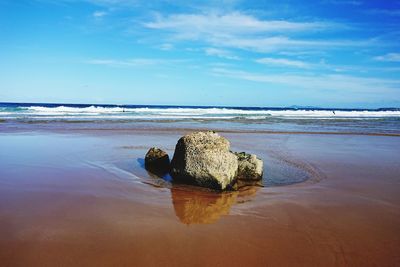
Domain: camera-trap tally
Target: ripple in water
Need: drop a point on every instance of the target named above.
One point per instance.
(196, 205)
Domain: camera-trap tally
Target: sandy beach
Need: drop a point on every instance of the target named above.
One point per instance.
(83, 198)
(199, 133)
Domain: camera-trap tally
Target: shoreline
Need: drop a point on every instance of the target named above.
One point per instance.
(42, 129)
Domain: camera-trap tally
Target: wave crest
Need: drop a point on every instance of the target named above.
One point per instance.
(182, 113)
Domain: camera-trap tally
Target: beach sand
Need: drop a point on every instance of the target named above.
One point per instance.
(84, 199)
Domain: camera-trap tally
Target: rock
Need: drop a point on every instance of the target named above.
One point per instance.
(157, 161)
(250, 168)
(204, 159)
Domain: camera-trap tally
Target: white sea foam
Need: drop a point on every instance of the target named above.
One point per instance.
(146, 113)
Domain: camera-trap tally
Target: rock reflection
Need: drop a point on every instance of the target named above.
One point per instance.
(194, 206)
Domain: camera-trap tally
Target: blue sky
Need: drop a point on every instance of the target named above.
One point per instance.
(327, 53)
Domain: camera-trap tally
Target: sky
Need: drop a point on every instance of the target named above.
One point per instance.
(322, 53)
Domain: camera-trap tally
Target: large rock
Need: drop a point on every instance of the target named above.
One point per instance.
(157, 161)
(204, 159)
(250, 168)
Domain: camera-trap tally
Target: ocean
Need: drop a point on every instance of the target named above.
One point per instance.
(291, 119)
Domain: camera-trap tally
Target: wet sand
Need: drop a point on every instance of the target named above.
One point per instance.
(83, 199)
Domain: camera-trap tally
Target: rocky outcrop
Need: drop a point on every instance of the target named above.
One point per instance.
(249, 167)
(157, 161)
(204, 159)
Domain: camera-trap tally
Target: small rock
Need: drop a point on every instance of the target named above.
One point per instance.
(250, 167)
(157, 161)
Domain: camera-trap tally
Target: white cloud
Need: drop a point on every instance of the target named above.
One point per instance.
(99, 14)
(283, 62)
(134, 62)
(388, 12)
(331, 82)
(238, 30)
(343, 2)
(166, 47)
(211, 51)
(113, 2)
(195, 25)
(276, 43)
(391, 57)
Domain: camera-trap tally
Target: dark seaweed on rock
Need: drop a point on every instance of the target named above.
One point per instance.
(157, 161)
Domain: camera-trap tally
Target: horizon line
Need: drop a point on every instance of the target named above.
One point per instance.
(199, 106)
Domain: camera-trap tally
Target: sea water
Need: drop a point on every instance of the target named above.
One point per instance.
(301, 119)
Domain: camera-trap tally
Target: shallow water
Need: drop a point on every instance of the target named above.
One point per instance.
(117, 156)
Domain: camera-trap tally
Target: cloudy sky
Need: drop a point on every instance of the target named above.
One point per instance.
(326, 53)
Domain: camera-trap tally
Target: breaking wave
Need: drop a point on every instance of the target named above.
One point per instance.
(52, 111)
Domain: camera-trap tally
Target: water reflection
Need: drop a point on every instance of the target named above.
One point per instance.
(195, 206)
